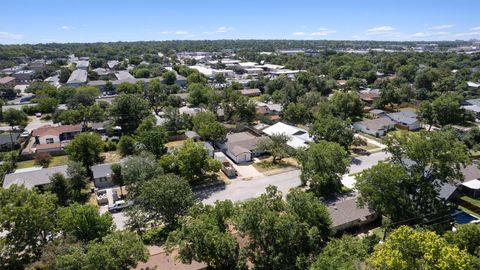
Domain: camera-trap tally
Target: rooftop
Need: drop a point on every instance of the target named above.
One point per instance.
(346, 210)
(78, 76)
(56, 130)
(36, 176)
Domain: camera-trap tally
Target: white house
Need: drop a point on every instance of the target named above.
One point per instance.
(406, 119)
(376, 127)
(298, 136)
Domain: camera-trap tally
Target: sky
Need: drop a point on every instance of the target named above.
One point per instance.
(45, 21)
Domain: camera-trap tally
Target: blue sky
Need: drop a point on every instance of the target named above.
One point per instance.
(43, 21)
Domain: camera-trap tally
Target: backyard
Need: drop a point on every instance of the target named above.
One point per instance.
(56, 161)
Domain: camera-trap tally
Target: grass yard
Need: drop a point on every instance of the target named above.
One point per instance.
(267, 167)
(56, 161)
(468, 211)
(473, 201)
(112, 156)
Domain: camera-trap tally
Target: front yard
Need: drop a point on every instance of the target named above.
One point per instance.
(267, 167)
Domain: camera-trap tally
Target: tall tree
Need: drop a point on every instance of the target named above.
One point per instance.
(14, 118)
(207, 126)
(59, 186)
(332, 129)
(85, 148)
(322, 166)
(128, 110)
(154, 140)
(277, 146)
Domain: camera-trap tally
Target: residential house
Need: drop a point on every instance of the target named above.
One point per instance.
(376, 113)
(24, 76)
(369, 95)
(192, 135)
(241, 146)
(471, 180)
(124, 76)
(270, 110)
(252, 92)
(77, 78)
(181, 80)
(406, 119)
(53, 80)
(102, 71)
(112, 63)
(37, 64)
(347, 215)
(9, 140)
(7, 82)
(33, 177)
(376, 127)
(472, 105)
(52, 138)
(299, 137)
(102, 175)
(83, 64)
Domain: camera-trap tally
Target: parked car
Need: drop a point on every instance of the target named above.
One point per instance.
(119, 206)
(38, 114)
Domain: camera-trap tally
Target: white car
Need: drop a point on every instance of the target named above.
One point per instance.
(119, 205)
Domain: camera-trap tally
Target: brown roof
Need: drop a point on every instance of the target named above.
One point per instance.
(470, 172)
(56, 130)
(7, 79)
(368, 96)
(48, 146)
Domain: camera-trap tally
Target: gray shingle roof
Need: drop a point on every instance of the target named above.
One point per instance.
(78, 76)
(33, 178)
(346, 211)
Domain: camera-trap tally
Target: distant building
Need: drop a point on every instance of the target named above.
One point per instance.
(77, 78)
(405, 119)
(241, 146)
(83, 64)
(298, 136)
(252, 92)
(7, 82)
(24, 76)
(377, 127)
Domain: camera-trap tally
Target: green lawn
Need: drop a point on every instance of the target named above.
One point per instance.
(56, 161)
(468, 211)
(471, 200)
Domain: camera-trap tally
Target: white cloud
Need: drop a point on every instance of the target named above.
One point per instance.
(469, 34)
(65, 27)
(380, 30)
(441, 27)
(224, 29)
(429, 34)
(476, 28)
(178, 32)
(299, 33)
(323, 32)
(10, 36)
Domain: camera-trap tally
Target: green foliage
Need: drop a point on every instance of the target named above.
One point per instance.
(466, 237)
(14, 117)
(169, 77)
(154, 140)
(126, 145)
(139, 169)
(346, 253)
(297, 113)
(347, 105)
(85, 148)
(128, 110)
(199, 94)
(43, 159)
(276, 145)
(164, 199)
(84, 222)
(322, 166)
(332, 129)
(207, 126)
(406, 248)
(444, 110)
(58, 185)
(190, 161)
(27, 219)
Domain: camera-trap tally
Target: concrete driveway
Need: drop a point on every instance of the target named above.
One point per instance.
(245, 171)
(36, 122)
(362, 163)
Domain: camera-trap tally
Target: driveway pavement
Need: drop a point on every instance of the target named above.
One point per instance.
(36, 122)
(362, 163)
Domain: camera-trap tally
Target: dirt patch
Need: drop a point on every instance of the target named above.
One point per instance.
(110, 157)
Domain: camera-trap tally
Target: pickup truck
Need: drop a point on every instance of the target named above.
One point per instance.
(119, 206)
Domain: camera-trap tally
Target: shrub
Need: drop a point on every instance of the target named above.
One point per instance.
(43, 159)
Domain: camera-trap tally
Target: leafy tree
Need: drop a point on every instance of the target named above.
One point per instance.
(203, 236)
(277, 234)
(119, 250)
(59, 186)
(126, 145)
(346, 253)
(84, 222)
(467, 237)
(333, 129)
(169, 77)
(157, 94)
(85, 148)
(154, 140)
(192, 161)
(420, 162)
(128, 110)
(165, 199)
(128, 88)
(198, 94)
(322, 166)
(64, 75)
(406, 248)
(83, 96)
(297, 113)
(196, 77)
(347, 105)
(220, 78)
(117, 178)
(139, 169)
(77, 178)
(277, 146)
(14, 117)
(27, 220)
(207, 126)
(43, 159)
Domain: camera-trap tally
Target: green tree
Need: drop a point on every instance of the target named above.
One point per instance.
(84, 222)
(333, 129)
(139, 169)
(346, 253)
(467, 237)
(14, 118)
(207, 126)
(165, 199)
(128, 111)
(64, 75)
(192, 161)
(169, 77)
(277, 146)
(297, 113)
(121, 250)
(126, 145)
(322, 167)
(406, 248)
(77, 179)
(347, 105)
(59, 186)
(198, 94)
(85, 148)
(27, 220)
(203, 236)
(154, 141)
(220, 78)
(117, 177)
